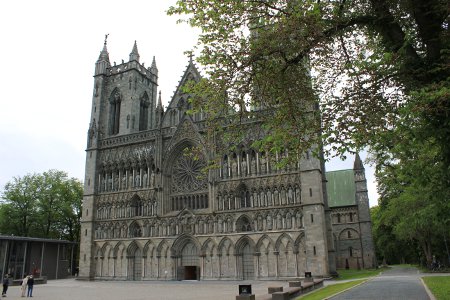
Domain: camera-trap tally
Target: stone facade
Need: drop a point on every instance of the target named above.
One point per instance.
(350, 218)
(150, 213)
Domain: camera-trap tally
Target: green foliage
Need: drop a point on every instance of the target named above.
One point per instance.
(42, 205)
(330, 290)
(439, 286)
(413, 186)
(389, 249)
(378, 72)
(361, 62)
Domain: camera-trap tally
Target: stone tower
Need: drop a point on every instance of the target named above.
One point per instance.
(365, 223)
(123, 102)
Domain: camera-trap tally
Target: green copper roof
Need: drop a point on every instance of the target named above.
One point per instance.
(341, 188)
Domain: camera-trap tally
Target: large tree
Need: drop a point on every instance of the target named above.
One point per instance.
(368, 61)
(42, 205)
(414, 193)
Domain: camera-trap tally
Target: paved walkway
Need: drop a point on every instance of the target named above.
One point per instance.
(71, 289)
(398, 283)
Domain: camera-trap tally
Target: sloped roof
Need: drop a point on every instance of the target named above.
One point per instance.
(341, 188)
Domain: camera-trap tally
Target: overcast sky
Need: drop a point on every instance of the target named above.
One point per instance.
(49, 49)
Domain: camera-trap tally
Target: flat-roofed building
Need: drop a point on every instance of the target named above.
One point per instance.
(53, 259)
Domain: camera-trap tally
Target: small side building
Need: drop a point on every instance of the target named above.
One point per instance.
(53, 259)
(350, 217)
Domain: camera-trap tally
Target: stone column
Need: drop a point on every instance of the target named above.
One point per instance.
(258, 170)
(119, 182)
(238, 161)
(276, 253)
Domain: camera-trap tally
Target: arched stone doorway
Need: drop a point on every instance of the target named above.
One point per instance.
(248, 268)
(190, 265)
(135, 265)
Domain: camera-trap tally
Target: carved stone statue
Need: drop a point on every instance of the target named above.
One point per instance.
(145, 179)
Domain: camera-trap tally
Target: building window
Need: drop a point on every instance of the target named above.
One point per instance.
(351, 217)
(114, 113)
(312, 218)
(339, 218)
(143, 112)
(243, 224)
(350, 251)
(349, 234)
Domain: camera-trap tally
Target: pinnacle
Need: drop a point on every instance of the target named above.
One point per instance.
(358, 165)
(154, 63)
(134, 55)
(104, 55)
(135, 49)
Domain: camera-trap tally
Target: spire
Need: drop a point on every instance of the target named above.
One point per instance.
(159, 106)
(154, 68)
(103, 59)
(104, 55)
(358, 165)
(134, 55)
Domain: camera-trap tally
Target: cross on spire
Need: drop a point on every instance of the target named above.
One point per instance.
(106, 37)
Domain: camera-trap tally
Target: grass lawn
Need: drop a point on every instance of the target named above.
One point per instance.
(439, 286)
(355, 274)
(330, 290)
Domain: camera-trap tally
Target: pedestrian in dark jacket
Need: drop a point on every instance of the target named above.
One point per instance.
(30, 284)
(5, 285)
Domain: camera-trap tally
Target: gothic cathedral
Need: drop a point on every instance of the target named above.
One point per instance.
(150, 213)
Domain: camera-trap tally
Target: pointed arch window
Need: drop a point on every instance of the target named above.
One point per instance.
(136, 206)
(135, 230)
(114, 112)
(244, 195)
(243, 224)
(143, 112)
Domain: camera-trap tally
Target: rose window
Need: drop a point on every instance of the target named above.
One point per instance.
(187, 175)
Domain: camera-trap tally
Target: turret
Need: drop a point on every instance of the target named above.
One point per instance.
(358, 165)
(134, 55)
(153, 68)
(159, 111)
(365, 224)
(103, 60)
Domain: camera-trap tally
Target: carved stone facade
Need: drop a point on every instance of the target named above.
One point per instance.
(151, 213)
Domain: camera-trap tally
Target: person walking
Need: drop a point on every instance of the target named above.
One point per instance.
(24, 285)
(30, 284)
(5, 285)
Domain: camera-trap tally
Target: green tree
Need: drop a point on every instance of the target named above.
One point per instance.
(365, 60)
(18, 210)
(378, 70)
(42, 205)
(414, 195)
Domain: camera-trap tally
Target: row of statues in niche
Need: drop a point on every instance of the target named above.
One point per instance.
(277, 220)
(262, 197)
(127, 209)
(127, 180)
(254, 163)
